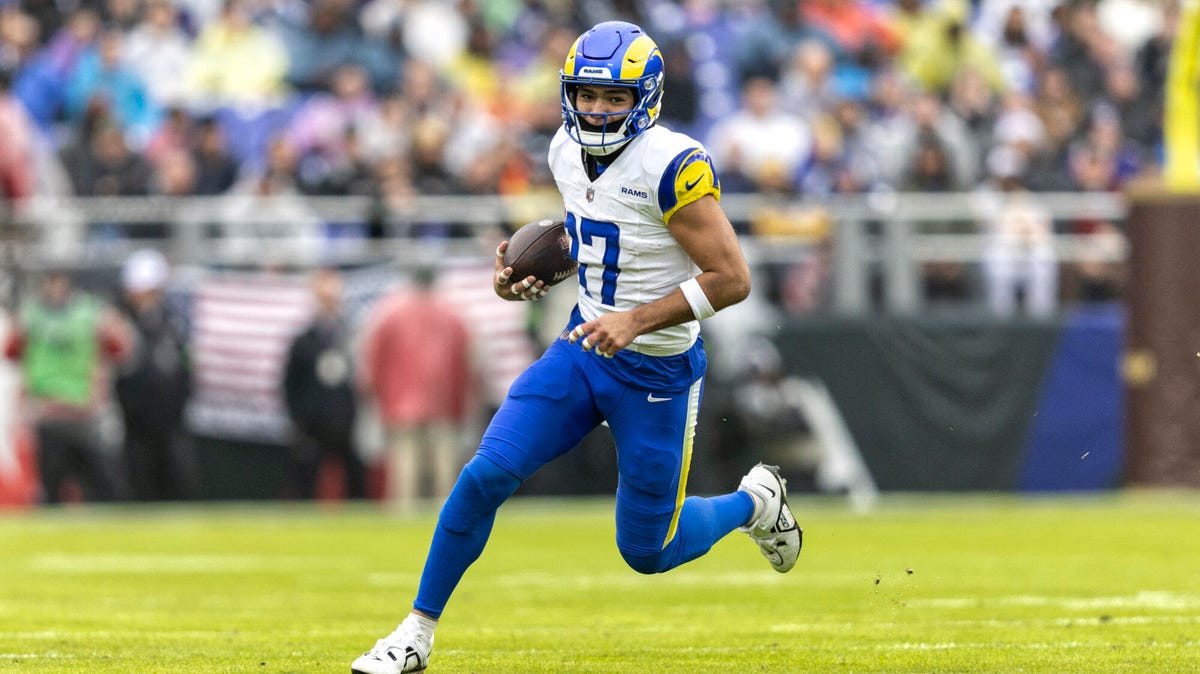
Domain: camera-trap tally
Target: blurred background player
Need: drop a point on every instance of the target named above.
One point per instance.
(318, 389)
(656, 256)
(417, 370)
(66, 341)
(153, 386)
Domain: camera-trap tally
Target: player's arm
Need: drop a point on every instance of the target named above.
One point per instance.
(705, 234)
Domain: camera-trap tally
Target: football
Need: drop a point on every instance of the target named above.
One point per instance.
(541, 249)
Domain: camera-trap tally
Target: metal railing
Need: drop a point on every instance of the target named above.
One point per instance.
(877, 235)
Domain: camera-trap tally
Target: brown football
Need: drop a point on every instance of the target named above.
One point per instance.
(541, 249)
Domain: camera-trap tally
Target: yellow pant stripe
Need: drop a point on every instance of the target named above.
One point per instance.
(689, 435)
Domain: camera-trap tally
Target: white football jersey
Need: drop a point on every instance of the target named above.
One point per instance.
(618, 226)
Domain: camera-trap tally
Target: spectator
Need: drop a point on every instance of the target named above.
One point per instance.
(106, 166)
(760, 146)
(1019, 128)
(393, 198)
(329, 40)
(120, 15)
(909, 18)
(931, 171)
(173, 135)
(49, 16)
(216, 169)
(434, 32)
(539, 101)
(476, 72)
(1152, 59)
(1082, 50)
(858, 29)
(1062, 116)
(417, 369)
(806, 86)
(236, 62)
(1094, 167)
(827, 170)
(102, 75)
(1139, 110)
(159, 51)
(888, 125)
(264, 217)
(1101, 273)
(318, 389)
(387, 127)
(322, 127)
(995, 19)
(1021, 60)
(934, 56)
(860, 157)
(426, 91)
(174, 175)
(930, 118)
(66, 340)
(19, 36)
(154, 385)
(975, 103)
(1019, 262)
(430, 136)
(1104, 132)
(771, 40)
(42, 83)
(346, 173)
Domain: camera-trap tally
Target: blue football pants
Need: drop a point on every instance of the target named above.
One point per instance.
(549, 409)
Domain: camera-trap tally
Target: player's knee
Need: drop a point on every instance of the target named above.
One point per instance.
(643, 563)
(481, 488)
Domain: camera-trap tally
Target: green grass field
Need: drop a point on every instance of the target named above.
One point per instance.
(922, 584)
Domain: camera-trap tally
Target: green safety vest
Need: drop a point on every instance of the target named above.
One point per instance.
(60, 349)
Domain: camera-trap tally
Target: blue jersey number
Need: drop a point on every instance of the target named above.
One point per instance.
(585, 231)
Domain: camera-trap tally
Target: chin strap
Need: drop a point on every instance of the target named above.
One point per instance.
(604, 150)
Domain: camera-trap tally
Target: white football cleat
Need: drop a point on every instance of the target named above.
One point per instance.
(773, 528)
(401, 652)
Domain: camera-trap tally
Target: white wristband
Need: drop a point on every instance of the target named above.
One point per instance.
(696, 299)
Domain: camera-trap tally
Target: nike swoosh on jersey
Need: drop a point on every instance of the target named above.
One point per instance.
(650, 398)
(688, 186)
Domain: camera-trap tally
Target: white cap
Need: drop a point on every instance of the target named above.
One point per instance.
(145, 269)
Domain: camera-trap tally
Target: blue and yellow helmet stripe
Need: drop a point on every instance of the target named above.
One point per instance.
(639, 55)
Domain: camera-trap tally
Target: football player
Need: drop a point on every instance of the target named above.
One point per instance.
(656, 256)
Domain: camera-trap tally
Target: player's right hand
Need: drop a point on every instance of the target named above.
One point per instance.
(528, 288)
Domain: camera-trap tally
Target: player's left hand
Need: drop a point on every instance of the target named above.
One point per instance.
(607, 334)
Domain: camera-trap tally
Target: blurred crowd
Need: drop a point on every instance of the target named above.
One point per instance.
(396, 97)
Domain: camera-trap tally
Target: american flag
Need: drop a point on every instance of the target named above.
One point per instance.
(242, 326)
(243, 323)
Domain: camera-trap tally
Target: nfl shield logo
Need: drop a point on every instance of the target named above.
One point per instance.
(591, 193)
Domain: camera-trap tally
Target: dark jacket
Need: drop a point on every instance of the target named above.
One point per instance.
(154, 385)
(318, 382)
